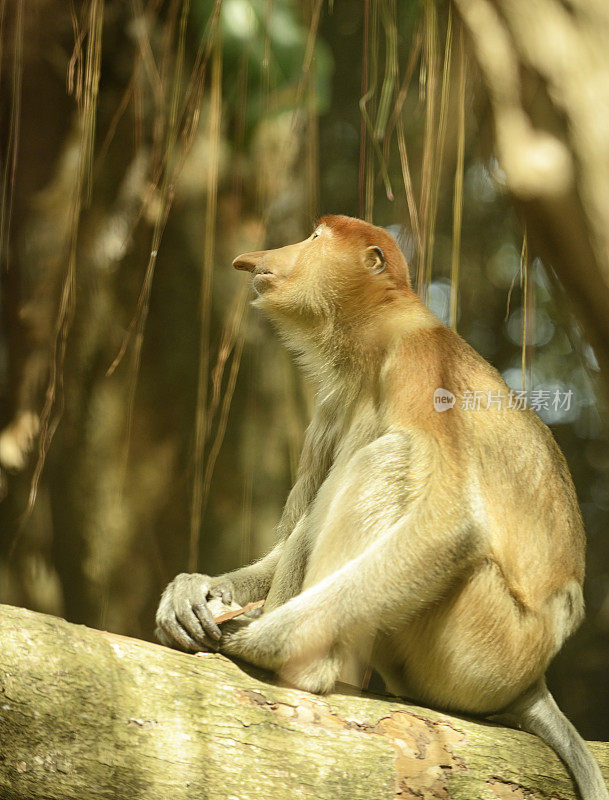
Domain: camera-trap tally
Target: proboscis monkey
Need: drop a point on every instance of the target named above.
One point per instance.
(445, 546)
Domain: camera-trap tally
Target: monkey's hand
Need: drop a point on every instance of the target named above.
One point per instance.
(185, 619)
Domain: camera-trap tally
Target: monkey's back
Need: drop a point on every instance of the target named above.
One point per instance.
(500, 626)
(514, 478)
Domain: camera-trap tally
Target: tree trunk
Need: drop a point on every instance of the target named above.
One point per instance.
(86, 714)
(545, 67)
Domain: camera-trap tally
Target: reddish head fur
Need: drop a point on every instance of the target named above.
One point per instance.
(370, 235)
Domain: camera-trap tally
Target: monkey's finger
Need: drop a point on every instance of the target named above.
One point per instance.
(160, 637)
(224, 591)
(207, 621)
(175, 635)
(188, 620)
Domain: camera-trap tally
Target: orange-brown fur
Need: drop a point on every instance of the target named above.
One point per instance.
(446, 549)
(371, 336)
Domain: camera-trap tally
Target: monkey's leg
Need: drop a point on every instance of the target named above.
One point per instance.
(407, 568)
(184, 619)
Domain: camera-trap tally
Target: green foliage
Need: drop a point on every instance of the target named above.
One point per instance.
(264, 45)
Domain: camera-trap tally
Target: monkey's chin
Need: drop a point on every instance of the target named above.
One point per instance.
(262, 282)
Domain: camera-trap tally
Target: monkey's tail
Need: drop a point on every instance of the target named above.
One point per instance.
(537, 712)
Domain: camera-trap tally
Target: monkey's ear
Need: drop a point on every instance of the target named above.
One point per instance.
(374, 259)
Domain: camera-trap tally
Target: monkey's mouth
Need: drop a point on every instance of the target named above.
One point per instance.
(262, 280)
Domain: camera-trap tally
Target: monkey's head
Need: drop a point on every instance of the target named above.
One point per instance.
(346, 270)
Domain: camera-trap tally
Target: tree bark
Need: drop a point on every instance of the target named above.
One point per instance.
(545, 67)
(87, 714)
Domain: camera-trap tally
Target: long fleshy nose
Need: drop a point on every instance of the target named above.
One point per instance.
(249, 261)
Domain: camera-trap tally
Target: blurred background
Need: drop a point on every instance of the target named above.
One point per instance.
(150, 422)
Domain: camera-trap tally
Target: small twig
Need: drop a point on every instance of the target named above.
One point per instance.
(366, 678)
(238, 611)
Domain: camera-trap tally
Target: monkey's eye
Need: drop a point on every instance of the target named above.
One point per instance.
(315, 234)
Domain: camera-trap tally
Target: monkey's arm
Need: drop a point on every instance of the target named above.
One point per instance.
(183, 618)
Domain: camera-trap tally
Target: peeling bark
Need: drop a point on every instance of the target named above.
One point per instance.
(86, 714)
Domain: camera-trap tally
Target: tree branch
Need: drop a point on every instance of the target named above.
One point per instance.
(86, 714)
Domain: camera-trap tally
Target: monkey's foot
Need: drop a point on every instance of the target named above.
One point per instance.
(318, 676)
